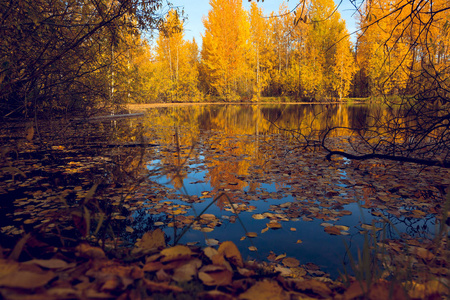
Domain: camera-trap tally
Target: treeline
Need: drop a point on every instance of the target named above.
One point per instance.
(402, 49)
(79, 55)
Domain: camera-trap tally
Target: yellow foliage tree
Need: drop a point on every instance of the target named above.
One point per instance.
(176, 62)
(226, 49)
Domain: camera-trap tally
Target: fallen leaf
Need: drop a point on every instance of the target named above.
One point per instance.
(88, 251)
(212, 242)
(332, 230)
(187, 271)
(210, 252)
(251, 234)
(252, 248)
(316, 286)
(370, 227)
(152, 239)
(299, 242)
(49, 263)
(291, 262)
(26, 279)
(281, 256)
(231, 252)
(265, 290)
(258, 216)
(212, 275)
(161, 287)
(175, 253)
(274, 225)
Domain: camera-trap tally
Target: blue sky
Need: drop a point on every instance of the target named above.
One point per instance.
(196, 9)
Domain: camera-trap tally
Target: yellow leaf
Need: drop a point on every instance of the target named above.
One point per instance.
(251, 234)
(152, 239)
(281, 256)
(175, 253)
(265, 290)
(231, 252)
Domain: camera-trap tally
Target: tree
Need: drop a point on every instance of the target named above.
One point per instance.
(403, 51)
(261, 49)
(225, 49)
(57, 55)
(176, 62)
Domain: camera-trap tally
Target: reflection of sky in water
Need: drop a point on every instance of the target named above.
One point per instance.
(325, 250)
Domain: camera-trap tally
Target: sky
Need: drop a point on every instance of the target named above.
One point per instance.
(196, 9)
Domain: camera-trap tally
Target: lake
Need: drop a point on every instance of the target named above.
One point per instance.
(244, 168)
(205, 174)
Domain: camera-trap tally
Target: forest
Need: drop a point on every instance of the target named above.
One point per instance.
(61, 56)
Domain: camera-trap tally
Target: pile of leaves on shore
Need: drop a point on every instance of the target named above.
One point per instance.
(36, 270)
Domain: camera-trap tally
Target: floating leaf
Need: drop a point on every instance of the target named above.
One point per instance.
(212, 242)
(252, 248)
(332, 230)
(342, 227)
(370, 227)
(281, 256)
(251, 234)
(258, 216)
(274, 225)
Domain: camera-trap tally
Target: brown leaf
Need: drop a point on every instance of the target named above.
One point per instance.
(212, 275)
(332, 230)
(263, 290)
(161, 287)
(291, 262)
(215, 295)
(153, 266)
(87, 251)
(187, 271)
(231, 252)
(49, 263)
(274, 225)
(317, 287)
(175, 253)
(26, 279)
(152, 239)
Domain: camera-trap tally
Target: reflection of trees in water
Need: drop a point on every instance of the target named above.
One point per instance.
(393, 225)
(141, 222)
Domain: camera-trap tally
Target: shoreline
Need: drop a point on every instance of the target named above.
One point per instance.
(133, 108)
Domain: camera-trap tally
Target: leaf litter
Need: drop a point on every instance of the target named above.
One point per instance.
(319, 190)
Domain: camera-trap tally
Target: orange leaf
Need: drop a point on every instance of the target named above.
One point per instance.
(231, 252)
(262, 290)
